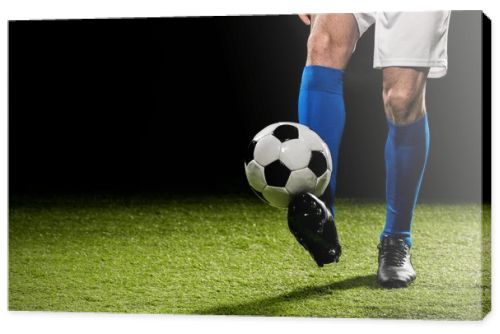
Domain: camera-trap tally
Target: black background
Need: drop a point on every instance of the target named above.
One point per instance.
(169, 105)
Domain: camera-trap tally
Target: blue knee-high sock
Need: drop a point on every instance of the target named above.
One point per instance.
(321, 108)
(406, 152)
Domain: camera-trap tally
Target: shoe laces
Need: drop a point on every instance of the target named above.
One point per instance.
(393, 251)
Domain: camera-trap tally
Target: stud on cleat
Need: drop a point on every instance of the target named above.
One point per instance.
(313, 226)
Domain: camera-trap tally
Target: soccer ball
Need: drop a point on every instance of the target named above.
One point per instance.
(286, 159)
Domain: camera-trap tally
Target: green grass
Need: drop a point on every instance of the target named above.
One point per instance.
(225, 255)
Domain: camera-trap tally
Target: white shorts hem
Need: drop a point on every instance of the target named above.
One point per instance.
(438, 68)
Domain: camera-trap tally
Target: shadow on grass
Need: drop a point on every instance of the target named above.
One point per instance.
(271, 305)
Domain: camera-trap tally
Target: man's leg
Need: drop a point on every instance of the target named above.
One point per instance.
(321, 107)
(321, 102)
(406, 152)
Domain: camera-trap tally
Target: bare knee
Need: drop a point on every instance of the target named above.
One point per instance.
(331, 40)
(404, 96)
(324, 49)
(398, 103)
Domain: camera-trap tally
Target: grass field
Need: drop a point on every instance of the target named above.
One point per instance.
(235, 255)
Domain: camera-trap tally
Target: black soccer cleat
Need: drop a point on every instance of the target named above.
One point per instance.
(394, 263)
(313, 226)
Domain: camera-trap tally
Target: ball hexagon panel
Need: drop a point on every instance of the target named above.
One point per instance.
(311, 138)
(295, 154)
(276, 174)
(318, 164)
(322, 183)
(276, 196)
(285, 132)
(266, 131)
(267, 150)
(300, 181)
(255, 175)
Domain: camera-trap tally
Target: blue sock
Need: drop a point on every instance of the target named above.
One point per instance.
(406, 152)
(321, 108)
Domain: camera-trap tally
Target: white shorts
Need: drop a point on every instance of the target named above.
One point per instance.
(416, 39)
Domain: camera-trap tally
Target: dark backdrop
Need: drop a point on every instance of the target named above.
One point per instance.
(169, 105)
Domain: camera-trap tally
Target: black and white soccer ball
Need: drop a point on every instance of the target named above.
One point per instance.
(286, 159)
